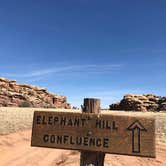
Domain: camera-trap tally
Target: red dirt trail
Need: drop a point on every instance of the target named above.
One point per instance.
(15, 150)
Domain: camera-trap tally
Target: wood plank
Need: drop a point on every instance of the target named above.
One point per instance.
(91, 158)
(130, 135)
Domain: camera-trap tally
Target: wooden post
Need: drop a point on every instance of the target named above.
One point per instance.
(89, 158)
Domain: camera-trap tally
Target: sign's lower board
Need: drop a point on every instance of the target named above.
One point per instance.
(102, 132)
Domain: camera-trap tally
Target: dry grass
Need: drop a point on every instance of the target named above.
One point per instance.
(14, 119)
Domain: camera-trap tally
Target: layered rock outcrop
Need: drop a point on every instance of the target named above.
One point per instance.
(23, 95)
(146, 102)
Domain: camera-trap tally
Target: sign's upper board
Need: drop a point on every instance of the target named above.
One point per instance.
(102, 132)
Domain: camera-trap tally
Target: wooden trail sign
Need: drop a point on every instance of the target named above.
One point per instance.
(119, 134)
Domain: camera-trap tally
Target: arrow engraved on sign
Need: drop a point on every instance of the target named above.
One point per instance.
(136, 128)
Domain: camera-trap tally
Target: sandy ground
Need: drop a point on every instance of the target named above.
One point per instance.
(15, 149)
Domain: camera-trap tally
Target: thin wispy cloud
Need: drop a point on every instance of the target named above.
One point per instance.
(67, 70)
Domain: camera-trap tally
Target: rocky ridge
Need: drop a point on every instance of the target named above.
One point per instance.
(24, 95)
(144, 103)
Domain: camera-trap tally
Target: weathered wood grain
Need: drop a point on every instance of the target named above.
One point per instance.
(107, 133)
(91, 158)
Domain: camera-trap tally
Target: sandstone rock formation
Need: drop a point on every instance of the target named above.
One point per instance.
(146, 102)
(23, 95)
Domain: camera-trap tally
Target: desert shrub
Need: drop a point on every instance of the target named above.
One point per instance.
(25, 104)
(4, 104)
(49, 106)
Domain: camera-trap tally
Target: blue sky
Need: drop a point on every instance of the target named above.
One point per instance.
(85, 48)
